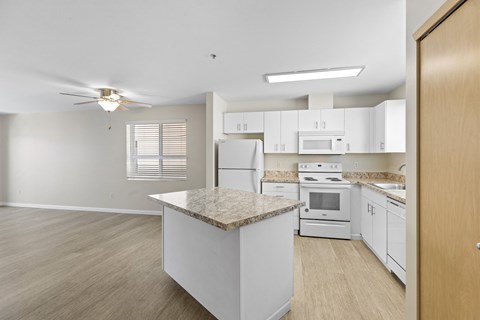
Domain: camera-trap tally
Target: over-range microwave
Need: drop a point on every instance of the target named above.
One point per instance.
(320, 143)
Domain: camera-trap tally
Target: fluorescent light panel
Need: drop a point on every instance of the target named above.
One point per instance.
(315, 74)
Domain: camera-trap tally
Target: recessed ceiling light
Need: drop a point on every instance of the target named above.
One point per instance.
(314, 74)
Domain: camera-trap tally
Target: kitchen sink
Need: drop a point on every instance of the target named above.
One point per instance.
(389, 186)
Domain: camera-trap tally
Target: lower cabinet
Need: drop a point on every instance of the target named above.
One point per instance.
(374, 222)
(285, 190)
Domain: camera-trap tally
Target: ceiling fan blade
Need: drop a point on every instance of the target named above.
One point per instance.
(143, 104)
(77, 95)
(86, 102)
(123, 108)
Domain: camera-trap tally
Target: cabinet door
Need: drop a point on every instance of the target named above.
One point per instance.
(309, 120)
(289, 132)
(379, 235)
(233, 122)
(332, 120)
(366, 222)
(357, 130)
(271, 137)
(253, 122)
(395, 126)
(379, 128)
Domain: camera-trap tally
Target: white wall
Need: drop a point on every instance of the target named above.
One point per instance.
(215, 107)
(417, 13)
(72, 159)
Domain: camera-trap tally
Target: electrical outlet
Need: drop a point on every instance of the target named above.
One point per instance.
(355, 165)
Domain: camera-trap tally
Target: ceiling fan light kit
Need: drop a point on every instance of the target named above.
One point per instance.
(108, 105)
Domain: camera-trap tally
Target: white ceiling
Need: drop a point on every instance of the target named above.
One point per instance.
(159, 51)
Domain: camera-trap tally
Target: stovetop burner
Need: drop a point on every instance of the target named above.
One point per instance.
(334, 179)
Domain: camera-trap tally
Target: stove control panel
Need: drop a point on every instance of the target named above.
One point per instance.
(320, 167)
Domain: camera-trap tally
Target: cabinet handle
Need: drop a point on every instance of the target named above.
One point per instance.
(348, 146)
(368, 207)
(323, 124)
(283, 147)
(373, 210)
(276, 147)
(382, 146)
(238, 127)
(478, 246)
(316, 124)
(279, 196)
(245, 126)
(279, 186)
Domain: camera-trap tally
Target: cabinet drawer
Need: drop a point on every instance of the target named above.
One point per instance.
(280, 187)
(376, 197)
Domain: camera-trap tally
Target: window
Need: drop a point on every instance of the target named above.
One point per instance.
(157, 150)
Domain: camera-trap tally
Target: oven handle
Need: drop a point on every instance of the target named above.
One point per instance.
(312, 186)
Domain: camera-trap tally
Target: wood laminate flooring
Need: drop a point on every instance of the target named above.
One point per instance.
(83, 265)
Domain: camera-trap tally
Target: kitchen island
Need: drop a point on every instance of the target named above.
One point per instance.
(231, 250)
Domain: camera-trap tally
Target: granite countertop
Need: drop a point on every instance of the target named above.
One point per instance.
(399, 195)
(281, 176)
(224, 208)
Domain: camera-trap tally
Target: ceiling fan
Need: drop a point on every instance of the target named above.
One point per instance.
(109, 100)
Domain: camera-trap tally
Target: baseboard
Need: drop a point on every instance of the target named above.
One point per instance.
(357, 236)
(74, 208)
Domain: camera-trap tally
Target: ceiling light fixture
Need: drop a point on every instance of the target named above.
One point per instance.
(108, 105)
(314, 74)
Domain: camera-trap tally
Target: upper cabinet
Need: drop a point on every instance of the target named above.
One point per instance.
(389, 127)
(332, 120)
(357, 130)
(242, 122)
(281, 132)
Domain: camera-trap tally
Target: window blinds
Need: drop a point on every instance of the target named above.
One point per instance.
(157, 151)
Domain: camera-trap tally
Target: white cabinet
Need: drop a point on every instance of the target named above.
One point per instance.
(374, 222)
(389, 127)
(322, 120)
(357, 130)
(281, 132)
(285, 190)
(242, 122)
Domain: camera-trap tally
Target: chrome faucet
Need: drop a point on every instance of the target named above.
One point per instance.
(402, 166)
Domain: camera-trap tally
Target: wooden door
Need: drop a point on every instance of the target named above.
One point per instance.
(449, 167)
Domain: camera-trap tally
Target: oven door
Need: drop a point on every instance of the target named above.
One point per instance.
(325, 202)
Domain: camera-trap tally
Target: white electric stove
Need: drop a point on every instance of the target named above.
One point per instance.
(327, 197)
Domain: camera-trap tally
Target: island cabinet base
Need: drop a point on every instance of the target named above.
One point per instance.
(241, 274)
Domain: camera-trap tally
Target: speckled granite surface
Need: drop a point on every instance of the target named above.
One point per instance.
(224, 208)
(281, 176)
(374, 175)
(399, 195)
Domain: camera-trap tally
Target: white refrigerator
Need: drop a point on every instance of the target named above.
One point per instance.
(240, 164)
